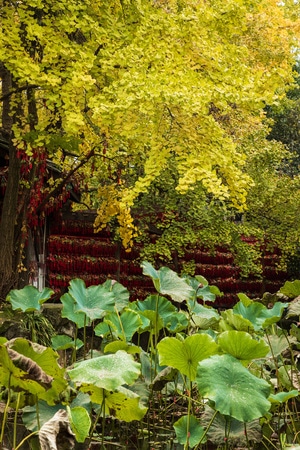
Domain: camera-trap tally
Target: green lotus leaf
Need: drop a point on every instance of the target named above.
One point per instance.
(29, 298)
(291, 447)
(113, 347)
(103, 329)
(176, 322)
(162, 305)
(167, 282)
(200, 279)
(123, 325)
(80, 422)
(163, 377)
(120, 292)
(68, 311)
(295, 332)
(244, 299)
(94, 301)
(164, 312)
(201, 288)
(279, 344)
(203, 317)
(189, 431)
(156, 322)
(286, 378)
(108, 371)
(47, 360)
(293, 308)
(202, 310)
(123, 405)
(282, 397)
(185, 355)
(33, 416)
(291, 288)
(233, 321)
(258, 314)
(63, 342)
(232, 429)
(17, 378)
(233, 389)
(242, 346)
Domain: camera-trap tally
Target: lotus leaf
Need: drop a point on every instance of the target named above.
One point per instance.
(163, 313)
(188, 430)
(233, 389)
(122, 325)
(167, 282)
(185, 355)
(94, 301)
(80, 422)
(242, 346)
(43, 359)
(113, 347)
(29, 298)
(108, 371)
(282, 397)
(123, 405)
(233, 321)
(291, 288)
(120, 292)
(69, 312)
(258, 314)
(294, 308)
(63, 342)
(279, 344)
(232, 429)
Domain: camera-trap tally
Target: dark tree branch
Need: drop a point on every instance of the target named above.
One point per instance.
(17, 90)
(64, 181)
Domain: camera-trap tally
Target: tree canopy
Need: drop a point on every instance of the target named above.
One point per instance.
(156, 104)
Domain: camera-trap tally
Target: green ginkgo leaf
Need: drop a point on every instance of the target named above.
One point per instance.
(242, 346)
(189, 431)
(94, 301)
(108, 371)
(167, 282)
(185, 355)
(233, 389)
(29, 298)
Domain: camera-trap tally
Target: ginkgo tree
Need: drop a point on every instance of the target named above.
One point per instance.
(114, 92)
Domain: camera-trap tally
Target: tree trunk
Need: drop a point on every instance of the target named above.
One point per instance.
(9, 213)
